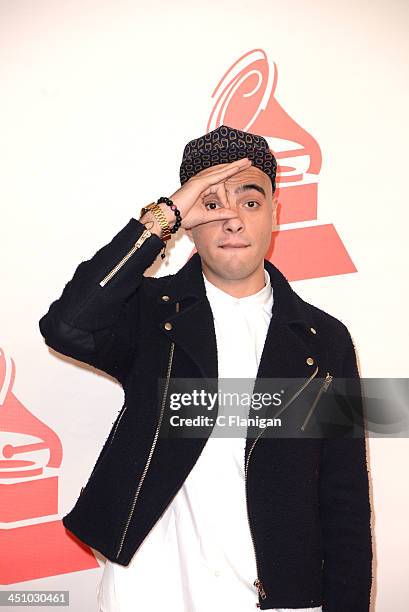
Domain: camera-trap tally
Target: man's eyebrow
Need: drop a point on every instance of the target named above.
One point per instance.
(250, 186)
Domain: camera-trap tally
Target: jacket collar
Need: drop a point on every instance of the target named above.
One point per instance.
(288, 340)
(288, 307)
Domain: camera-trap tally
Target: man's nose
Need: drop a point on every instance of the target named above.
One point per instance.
(234, 224)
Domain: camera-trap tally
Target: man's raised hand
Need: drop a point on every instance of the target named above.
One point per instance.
(189, 198)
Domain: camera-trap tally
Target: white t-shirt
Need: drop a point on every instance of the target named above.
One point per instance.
(199, 556)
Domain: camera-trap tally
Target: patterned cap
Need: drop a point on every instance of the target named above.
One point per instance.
(223, 145)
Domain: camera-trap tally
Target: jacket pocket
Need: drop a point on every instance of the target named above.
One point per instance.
(326, 383)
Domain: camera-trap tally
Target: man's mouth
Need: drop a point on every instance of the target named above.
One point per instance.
(234, 246)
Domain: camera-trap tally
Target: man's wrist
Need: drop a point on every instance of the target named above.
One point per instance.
(156, 227)
(152, 223)
(169, 214)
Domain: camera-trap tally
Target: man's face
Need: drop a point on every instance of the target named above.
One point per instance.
(234, 248)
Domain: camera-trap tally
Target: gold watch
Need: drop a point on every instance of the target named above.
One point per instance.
(159, 215)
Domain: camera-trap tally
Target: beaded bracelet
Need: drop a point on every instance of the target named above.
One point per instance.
(173, 207)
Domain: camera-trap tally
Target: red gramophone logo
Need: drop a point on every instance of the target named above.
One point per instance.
(33, 540)
(245, 100)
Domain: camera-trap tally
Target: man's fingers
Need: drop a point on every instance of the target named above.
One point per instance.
(221, 192)
(207, 182)
(238, 162)
(220, 175)
(219, 214)
(235, 166)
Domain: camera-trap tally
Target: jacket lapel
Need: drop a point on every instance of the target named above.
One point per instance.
(288, 340)
(192, 327)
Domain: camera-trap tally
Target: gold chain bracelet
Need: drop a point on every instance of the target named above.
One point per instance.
(159, 215)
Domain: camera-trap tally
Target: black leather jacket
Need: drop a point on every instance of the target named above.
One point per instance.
(307, 499)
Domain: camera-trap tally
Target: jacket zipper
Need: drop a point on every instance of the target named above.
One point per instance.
(145, 234)
(257, 583)
(117, 423)
(155, 438)
(324, 387)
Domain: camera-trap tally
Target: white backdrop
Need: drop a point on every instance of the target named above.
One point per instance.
(98, 99)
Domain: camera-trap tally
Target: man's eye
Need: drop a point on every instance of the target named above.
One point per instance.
(213, 204)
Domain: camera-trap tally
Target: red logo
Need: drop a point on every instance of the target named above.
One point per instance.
(245, 99)
(33, 540)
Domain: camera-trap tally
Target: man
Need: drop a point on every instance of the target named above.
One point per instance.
(198, 523)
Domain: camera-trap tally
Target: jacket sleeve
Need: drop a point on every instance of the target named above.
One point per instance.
(94, 319)
(345, 512)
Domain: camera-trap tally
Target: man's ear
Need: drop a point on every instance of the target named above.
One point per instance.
(274, 209)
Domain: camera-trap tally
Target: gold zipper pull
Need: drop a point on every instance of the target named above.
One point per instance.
(327, 381)
(259, 586)
(323, 388)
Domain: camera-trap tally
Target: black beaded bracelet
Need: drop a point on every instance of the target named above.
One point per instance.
(173, 207)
